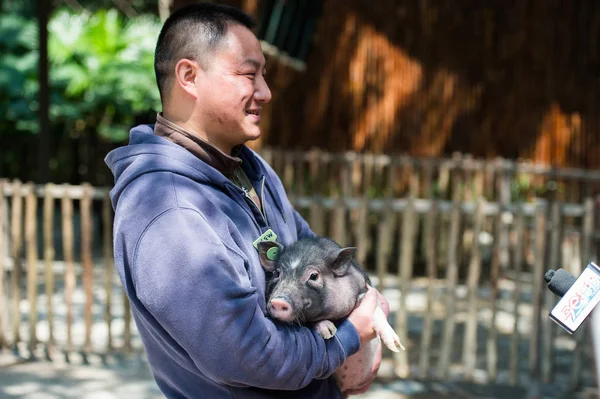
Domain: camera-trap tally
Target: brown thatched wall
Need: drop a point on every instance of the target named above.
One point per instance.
(491, 78)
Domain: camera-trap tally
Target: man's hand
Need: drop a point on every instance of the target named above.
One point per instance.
(362, 317)
(385, 306)
(372, 295)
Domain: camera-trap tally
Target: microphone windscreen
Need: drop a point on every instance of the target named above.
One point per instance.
(559, 281)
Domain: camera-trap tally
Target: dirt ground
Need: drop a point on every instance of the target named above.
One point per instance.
(130, 377)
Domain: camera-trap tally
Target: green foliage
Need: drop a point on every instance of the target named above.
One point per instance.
(100, 69)
(18, 74)
(526, 187)
(26, 8)
(105, 67)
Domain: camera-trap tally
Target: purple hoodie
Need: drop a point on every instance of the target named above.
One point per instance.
(183, 237)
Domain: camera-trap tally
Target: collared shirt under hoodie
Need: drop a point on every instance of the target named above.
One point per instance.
(183, 237)
(229, 165)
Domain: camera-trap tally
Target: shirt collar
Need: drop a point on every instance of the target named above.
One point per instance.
(202, 149)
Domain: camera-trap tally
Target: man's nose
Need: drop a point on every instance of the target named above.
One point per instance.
(262, 93)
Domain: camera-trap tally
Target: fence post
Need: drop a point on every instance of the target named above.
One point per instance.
(581, 339)
(16, 241)
(3, 298)
(347, 188)
(288, 171)
(518, 264)
(451, 282)
(470, 338)
(500, 261)
(127, 319)
(385, 234)
(367, 171)
(405, 273)
(361, 230)
(538, 276)
(314, 164)
(317, 216)
(505, 201)
(70, 278)
(108, 267)
(338, 222)
(87, 263)
(492, 336)
(549, 298)
(300, 166)
(32, 264)
(48, 259)
(430, 254)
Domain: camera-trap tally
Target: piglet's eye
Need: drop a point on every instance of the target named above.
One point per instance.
(314, 276)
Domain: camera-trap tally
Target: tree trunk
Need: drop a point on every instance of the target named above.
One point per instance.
(44, 94)
(249, 6)
(164, 9)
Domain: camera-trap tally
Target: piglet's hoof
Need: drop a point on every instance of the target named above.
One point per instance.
(325, 328)
(391, 339)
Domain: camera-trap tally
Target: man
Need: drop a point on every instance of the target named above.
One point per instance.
(190, 201)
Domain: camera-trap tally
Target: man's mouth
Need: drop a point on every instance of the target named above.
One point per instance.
(254, 115)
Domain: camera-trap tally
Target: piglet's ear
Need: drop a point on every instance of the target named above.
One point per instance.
(343, 261)
(268, 253)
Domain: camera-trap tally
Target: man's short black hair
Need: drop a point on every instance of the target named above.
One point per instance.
(193, 32)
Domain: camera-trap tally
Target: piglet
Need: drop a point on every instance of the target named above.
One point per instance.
(316, 282)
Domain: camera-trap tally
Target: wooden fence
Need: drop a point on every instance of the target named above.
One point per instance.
(319, 173)
(466, 250)
(20, 243)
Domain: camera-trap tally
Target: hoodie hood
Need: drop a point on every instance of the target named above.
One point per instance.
(147, 153)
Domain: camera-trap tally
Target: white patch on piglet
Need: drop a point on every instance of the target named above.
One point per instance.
(294, 264)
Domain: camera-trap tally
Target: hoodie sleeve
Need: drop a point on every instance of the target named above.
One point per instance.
(199, 292)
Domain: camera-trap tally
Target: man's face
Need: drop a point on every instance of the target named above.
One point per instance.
(232, 90)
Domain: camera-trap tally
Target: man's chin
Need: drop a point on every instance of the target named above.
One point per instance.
(251, 135)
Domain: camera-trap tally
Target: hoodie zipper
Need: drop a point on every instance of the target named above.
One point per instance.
(262, 199)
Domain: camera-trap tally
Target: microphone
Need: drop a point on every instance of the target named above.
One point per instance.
(579, 295)
(559, 281)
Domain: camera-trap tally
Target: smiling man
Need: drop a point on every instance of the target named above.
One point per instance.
(191, 201)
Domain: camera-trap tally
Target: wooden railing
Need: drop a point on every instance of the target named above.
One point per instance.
(469, 267)
(347, 174)
(76, 268)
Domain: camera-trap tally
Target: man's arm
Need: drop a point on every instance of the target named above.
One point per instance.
(199, 292)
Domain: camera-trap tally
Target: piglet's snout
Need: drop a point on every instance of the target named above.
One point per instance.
(281, 309)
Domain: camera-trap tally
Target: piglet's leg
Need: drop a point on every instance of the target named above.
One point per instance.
(325, 328)
(385, 331)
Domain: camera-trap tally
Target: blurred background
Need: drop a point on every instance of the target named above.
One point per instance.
(456, 143)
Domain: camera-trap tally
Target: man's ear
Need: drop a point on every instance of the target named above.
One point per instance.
(343, 260)
(268, 253)
(186, 73)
